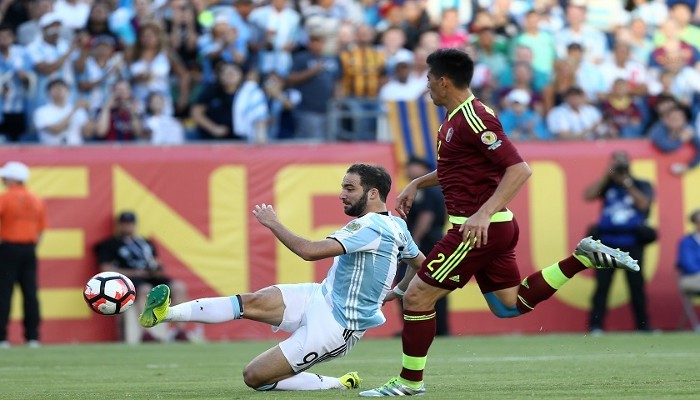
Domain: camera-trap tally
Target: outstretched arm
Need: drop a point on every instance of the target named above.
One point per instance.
(304, 248)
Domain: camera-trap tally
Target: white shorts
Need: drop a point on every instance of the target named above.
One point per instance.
(316, 335)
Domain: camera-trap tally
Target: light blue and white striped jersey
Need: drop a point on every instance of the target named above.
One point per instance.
(359, 280)
(14, 93)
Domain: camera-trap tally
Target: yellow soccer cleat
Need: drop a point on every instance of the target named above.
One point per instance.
(157, 304)
(351, 380)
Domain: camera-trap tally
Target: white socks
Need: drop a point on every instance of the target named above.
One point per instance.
(309, 381)
(208, 310)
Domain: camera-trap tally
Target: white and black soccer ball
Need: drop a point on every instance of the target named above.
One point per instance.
(109, 293)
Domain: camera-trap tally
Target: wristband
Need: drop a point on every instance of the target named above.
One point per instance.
(398, 291)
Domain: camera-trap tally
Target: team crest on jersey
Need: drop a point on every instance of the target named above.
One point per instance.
(354, 226)
(490, 139)
(450, 132)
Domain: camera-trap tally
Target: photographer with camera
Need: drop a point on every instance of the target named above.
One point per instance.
(626, 202)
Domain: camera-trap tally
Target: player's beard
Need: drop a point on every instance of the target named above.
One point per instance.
(357, 209)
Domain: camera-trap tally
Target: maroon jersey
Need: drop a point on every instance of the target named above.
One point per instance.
(472, 155)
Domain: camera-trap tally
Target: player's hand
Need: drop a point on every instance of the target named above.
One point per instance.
(475, 232)
(391, 296)
(265, 214)
(404, 201)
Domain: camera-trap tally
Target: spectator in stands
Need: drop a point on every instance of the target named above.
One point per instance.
(551, 14)
(159, 127)
(14, 81)
(519, 120)
(279, 26)
(577, 31)
(681, 13)
(415, 22)
(315, 76)
(119, 119)
(465, 11)
(539, 79)
(392, 45)
(650, 12)
(60, 122)
(151, 66)
(401, 87)
(575, 119)
(13, 13)
(131, 254)
(588, 76)
(639, 40)
(491, 51)
(621, 115)
(29, 30)
(540, 42)
(522, 76)
(232, 108)
(363, 73)
(98, 22)
(672, 46)
(684, 80)
(220, 45)
(452, 35)
(671, 133)
(98, 67)
(688, 263)
(554, 93)
(504, 21)
(183, 32)
(73, 13)
(621, 66)
(281, 102)
(51, 57)
(324, 17)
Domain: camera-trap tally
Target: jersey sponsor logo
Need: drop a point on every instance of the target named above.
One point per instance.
(450, 132)
(490, 139)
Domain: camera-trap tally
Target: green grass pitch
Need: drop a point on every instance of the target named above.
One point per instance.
(614, 366)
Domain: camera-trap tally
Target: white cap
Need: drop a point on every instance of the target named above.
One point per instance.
(49, 19)
(518, 96)
(405, 57)
(15, 170)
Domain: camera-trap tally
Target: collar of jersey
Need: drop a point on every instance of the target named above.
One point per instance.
(460, 106)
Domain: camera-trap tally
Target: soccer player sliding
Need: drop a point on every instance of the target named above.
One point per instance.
(480, 172)
(327, 319)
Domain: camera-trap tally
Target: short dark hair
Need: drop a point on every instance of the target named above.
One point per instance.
(373, 177)
(452, 64)
(54, 82)
(694, 216)
(6, 27)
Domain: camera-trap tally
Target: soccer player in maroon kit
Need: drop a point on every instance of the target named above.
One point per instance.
(480, 172)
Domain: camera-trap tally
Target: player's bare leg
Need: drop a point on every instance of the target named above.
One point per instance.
(270, 370)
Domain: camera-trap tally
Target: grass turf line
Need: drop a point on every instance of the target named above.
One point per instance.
(614, 366)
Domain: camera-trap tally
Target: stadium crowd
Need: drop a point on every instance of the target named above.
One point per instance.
(167, 71)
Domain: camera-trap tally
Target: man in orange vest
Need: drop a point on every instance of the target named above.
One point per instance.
(22, 219)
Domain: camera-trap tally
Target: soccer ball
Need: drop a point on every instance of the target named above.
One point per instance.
(109, 293)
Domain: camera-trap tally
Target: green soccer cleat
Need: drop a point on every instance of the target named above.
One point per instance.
(596, 255)
(394, 388)
(157, 304)
(351, 380)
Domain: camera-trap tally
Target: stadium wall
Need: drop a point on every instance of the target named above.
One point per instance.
(195, 202)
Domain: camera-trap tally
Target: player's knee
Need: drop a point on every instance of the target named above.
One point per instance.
(499, 308)
(253, 378)
(415, 299)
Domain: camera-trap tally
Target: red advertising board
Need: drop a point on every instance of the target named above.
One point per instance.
(196, 202)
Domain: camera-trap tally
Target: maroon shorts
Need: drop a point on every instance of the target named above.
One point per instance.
(451, 264)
